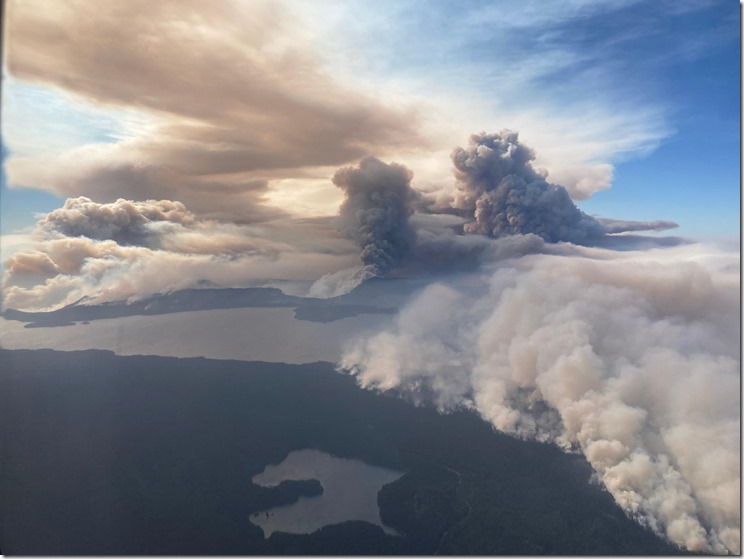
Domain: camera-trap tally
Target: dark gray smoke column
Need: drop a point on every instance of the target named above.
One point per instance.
(375, 212)
(497, 185)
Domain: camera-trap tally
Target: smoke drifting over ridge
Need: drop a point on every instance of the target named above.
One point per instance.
(589, 353)
(498, 194)
(127, 249)
(630, 358)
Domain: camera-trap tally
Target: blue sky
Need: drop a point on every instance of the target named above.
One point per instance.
(45, 120)
(694, 173)
(641, 97)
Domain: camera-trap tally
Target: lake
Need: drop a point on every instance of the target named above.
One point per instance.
(349, 493)
(249, 334)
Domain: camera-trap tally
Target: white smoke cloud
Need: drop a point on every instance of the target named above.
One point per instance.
(631, 358)
(334, 284)
(127, 249)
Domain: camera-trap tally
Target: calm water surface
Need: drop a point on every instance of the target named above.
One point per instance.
(349, 493)
(250, 334)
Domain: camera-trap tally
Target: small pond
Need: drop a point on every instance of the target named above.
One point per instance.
(349, 493)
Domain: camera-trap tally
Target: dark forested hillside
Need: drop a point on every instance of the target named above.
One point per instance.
(151, 455)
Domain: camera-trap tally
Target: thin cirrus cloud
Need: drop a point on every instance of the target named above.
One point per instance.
(540, 69)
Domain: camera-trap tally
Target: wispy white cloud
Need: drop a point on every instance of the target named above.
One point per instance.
(483, 67)
(535, 14)
(41, 120)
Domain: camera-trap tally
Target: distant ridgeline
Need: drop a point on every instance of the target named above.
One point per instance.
(110, 455)
(311, 309)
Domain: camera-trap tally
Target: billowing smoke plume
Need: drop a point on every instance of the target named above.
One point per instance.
(375, 212)
(635, 366)
(125, 221)
(498, 194)
(104, 252)
(499, 188)
(378, 202)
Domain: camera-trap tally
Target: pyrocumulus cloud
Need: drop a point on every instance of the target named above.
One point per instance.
(109, 251)
(500, 190)
(378, 202)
